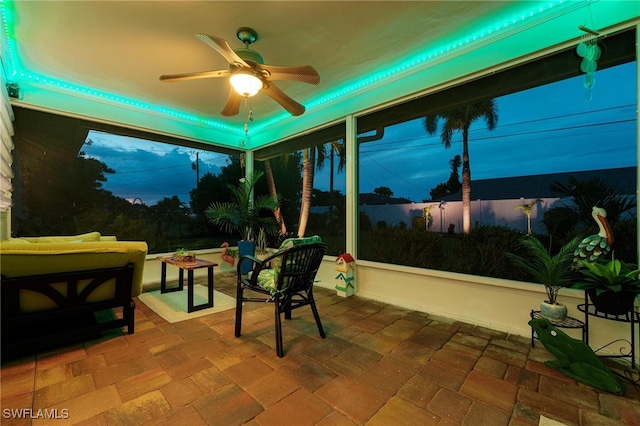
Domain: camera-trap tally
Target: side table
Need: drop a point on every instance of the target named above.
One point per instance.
(568, 322)
(189, 267)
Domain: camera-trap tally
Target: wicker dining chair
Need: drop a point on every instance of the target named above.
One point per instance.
(285, 278)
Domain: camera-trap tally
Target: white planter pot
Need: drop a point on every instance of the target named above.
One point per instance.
(556, 312)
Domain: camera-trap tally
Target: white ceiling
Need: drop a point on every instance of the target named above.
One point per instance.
(122, 47)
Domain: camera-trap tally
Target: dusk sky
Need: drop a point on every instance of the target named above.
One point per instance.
(538, 132)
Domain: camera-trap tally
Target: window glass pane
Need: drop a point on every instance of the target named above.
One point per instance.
(76, 176)
(525, 128)
(324, 149)
(167, 187)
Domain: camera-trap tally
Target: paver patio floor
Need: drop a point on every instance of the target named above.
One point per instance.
(379, 365)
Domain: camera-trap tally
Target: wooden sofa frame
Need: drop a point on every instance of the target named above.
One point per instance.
(18, 326)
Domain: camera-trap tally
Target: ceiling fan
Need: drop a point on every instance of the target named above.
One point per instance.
(249, 75)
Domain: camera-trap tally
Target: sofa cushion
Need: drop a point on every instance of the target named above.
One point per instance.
(15, 241)
(88, 237)
(48, 258)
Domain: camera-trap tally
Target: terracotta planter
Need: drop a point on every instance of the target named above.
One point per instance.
(612, 303)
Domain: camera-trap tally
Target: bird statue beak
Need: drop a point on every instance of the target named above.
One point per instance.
(605, 223)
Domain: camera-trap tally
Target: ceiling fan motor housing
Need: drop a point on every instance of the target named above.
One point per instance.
(249, 55)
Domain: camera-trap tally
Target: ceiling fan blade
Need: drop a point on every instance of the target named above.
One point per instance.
(232, 107)
(194, 75)
(223, 48)
(305, 74)
(274, 92)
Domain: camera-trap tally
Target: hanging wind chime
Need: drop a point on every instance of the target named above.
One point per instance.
(249, 116)
(590, 52)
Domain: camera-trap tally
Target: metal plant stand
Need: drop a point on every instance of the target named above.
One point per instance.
(568, 322)
(632, 373)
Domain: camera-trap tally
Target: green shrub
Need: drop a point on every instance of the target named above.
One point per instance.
(418, 222)
(409, 247)
(484, 252)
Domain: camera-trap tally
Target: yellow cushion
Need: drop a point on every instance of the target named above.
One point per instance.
(88, 237)
(15, 241)
(26, 259)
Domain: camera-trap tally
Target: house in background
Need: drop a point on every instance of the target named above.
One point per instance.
(494, 201)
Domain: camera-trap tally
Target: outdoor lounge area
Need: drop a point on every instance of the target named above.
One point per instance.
(119, 119)
(379, 365)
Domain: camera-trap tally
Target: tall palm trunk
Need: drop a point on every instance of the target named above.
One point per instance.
(460, 119)
(466, 182)
(277, 213)
(307, 187)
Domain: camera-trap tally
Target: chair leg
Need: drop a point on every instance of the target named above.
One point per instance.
(278, 325)
(317, 317)
(129, 315)
(287, 309)
(239, 296)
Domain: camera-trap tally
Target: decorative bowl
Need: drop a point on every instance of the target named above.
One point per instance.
(185, 257)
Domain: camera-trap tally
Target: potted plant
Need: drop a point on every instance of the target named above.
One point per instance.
(242, 215)
(552, 271)
(182, 255)
(612, 286)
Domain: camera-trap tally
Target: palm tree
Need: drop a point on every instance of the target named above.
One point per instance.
(527, 209)
(314, 158)
(271, 184)
(243, 214)
(460, 119)
(593, 192)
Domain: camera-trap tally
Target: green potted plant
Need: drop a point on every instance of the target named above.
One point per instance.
(612, 286)
(242, 215)
(182, 255)
(552, 271)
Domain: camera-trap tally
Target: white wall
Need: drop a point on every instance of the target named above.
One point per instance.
(497, 304)
(483, 212)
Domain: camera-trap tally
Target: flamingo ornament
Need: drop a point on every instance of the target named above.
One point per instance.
(597, 245)
(225, 256)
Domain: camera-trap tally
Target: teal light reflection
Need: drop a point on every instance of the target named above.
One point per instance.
(63, 85)
(433, 54)
(17, 71)
(422, 58)
(7, 15)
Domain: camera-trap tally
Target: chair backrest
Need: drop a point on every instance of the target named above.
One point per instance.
(298, 266)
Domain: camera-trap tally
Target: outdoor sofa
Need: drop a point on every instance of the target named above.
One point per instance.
(67, 287)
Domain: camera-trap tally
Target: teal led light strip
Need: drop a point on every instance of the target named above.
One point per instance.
(435, 54)
(423, 58)
(6, 15)
(419, 60)
(16, 71)
(126, 101)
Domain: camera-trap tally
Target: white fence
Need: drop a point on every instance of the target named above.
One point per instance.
(443, 214)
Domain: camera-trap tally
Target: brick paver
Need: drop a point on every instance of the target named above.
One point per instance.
(379, 365)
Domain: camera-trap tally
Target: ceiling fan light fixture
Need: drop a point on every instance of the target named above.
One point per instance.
(246, 84)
